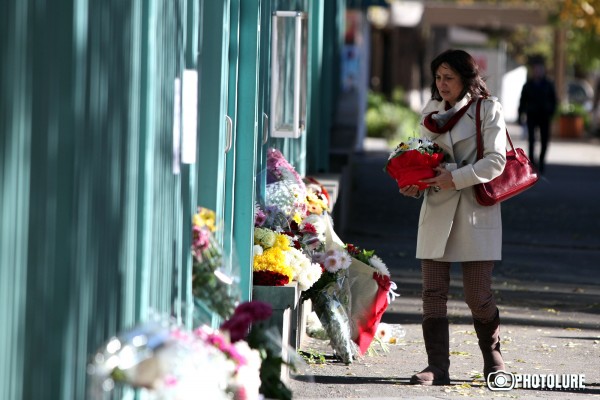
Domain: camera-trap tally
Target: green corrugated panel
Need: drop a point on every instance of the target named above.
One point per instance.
(212, 104)
(229, 245)
(15, 136)
(187, 193)
(317, 110)
(326, 39)
(248, 136)
(264, 97)
(213, 69)
(92, 225)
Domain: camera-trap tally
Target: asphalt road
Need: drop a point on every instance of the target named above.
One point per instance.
(547, 286)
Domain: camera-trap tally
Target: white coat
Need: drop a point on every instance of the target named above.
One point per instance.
(452, 225)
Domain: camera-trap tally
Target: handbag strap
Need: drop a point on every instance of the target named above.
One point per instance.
(480, 136)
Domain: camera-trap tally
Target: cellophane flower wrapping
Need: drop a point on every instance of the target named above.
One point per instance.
(168, 362)
(331, 296)
(285, 197)
(413, 161)
(371, 291)
(212, 278)
(331, 304)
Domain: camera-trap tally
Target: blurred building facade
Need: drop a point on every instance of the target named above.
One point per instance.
(406, 36)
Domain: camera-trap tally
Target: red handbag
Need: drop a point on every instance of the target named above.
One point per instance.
(519, 173)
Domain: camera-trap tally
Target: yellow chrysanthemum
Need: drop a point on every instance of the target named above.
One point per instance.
(196, 220)
(205, 217)
(297, 218)
(282, 242)
(274, 260)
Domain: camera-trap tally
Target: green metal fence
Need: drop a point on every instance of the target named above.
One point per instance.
(94, 223)
(92, 216)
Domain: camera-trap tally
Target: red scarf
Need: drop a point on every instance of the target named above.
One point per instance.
(432, 125)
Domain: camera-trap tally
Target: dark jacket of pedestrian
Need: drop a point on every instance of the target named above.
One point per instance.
(538, 103)
(538, 97)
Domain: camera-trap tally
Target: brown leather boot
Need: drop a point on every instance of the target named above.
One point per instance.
(489, 343)
(437, 345)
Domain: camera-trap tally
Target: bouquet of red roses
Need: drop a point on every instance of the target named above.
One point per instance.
(413, 161)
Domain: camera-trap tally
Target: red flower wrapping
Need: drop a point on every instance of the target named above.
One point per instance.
(412, 166)
(368, 322)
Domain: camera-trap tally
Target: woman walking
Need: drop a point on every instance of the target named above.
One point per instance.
(453, 227)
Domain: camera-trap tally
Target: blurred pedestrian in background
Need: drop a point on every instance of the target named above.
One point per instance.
(537, 105)
(596, 109)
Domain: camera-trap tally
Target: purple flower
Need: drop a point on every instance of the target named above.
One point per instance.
(259, 310)
(259, 218)
(238, 326)
(245, 314)
(278, 168)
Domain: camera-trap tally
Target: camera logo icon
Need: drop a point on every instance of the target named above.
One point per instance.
(500, 380)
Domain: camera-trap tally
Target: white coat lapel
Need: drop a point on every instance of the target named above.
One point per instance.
(465, 127)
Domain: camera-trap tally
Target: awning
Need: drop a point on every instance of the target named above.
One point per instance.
(482, 15)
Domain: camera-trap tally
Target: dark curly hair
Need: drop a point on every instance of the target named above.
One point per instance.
(466, 67)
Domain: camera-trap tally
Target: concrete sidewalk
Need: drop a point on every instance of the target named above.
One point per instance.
(547, 287)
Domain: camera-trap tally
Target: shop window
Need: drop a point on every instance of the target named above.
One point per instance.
(289, 61)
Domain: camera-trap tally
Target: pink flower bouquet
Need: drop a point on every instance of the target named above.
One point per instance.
(413, 161)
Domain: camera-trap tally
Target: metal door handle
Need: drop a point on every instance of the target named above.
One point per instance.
(265, 128)
(229, 132)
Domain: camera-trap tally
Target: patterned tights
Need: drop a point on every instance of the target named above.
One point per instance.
(477, 286)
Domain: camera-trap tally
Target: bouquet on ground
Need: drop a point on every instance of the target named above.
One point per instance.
(371, 291)
(306, 228)
(292, 205)
(331, 297)
(285, 193)
(248, 323)
(317, 197)
(212, 282)
(414, 160)
(171, 362)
